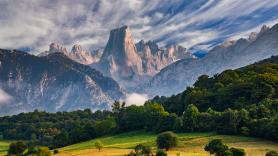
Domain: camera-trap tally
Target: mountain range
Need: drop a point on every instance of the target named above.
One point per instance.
(53, 83)
(62, 80)
(230, 55)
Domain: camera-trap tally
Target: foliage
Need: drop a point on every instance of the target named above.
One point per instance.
(17, 148)
(166, 140)
(160, 153)
(216, 147)
(20, 148)
(272, 153)
(99, 145)
(142, 150)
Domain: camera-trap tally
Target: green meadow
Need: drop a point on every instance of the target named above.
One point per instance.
(190, 144)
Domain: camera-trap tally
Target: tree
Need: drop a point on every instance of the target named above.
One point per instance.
(166, 140)
(237, 151)
(161, 153)
(272, 153)
(142, 150)
(43, 151)
(216, 147)
(99, 145)
(190, 118)
(139, 149)
(17, 148)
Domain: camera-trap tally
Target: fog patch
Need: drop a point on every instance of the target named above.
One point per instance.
(4, 97)
(135, 99)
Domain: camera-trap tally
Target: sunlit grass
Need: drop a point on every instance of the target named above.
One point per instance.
(190, 144)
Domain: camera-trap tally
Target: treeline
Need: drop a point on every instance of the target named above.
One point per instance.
(243, 101)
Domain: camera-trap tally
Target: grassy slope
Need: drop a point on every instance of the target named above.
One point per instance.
(189, 144)
(4, 146)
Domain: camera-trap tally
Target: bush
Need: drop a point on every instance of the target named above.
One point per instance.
(43, 151)
(216, 147)
(272, 153)
(166, 140)
(17, 148)
(99, 145)
(56, 151)
(161, 153)
(142, 150)
(237, 151)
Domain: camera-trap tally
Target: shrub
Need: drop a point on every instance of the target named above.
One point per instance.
(166, 140)
(142, 150)
(17, 148)
(216, 147)
(99, 145)
(237, 151)
(56, 151)
(272, 153)
(161, 153)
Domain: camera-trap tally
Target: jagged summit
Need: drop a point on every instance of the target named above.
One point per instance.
(55, 47)
(120, 57)
(76, 48)
(77, 53)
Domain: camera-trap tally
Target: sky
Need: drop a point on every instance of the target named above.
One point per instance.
(197, 24)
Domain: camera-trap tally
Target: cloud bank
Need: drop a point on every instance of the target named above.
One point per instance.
(33, 24)
(135, 99)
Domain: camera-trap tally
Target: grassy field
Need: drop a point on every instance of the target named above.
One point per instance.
(4, 146)
(190, 144)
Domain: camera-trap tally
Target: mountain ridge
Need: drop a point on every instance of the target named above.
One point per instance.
(53, 83)
(179, 75)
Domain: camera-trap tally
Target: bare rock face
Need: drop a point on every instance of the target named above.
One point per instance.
(120, 59)
(78, 54)
(155, 58)
(55, 47)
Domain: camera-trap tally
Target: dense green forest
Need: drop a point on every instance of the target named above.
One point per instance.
(242, 101)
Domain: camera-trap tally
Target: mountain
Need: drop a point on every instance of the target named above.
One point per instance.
(77, 53)
(131, 64)
(120, 58)
(230, 55)
(155, 58)
(245, 87)
(52, 83)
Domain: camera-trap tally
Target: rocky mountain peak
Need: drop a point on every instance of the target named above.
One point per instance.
(76, 48)
(55, 47)
(264, 29)
(252, 36)
(120, 55)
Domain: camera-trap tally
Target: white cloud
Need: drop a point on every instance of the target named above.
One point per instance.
(136, 99)
(4, 97)
(37, 23)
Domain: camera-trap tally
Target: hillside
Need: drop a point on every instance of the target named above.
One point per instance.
(52, 83)
(231, 55)
(190, 144)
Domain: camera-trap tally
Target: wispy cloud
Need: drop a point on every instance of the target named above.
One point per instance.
(4, 97)
(36, 23)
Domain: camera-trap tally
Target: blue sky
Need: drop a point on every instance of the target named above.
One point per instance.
(196, 24)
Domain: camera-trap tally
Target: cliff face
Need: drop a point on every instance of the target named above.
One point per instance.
(52, 83)
(120, 58)
(77, 53)
(131, 64)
